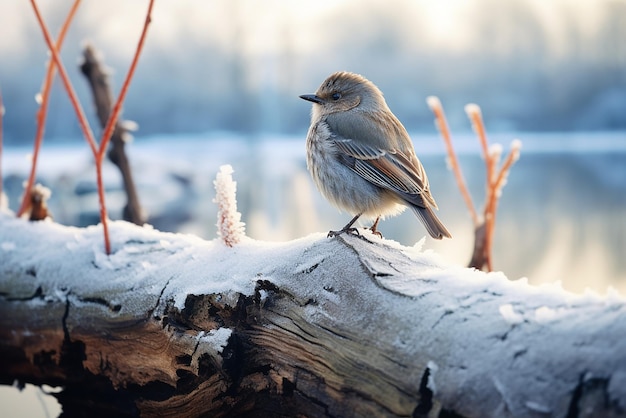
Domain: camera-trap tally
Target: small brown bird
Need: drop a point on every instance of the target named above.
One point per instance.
(361, 157)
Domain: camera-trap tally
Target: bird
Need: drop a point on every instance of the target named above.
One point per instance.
(361, 157)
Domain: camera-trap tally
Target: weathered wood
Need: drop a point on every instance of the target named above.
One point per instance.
(480, 257)
(343, 328)
(98, 80)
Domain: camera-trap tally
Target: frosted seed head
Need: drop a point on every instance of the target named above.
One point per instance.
(472, 109)
(516, 147)
(42, 191)
(433, 102)
(229, 226)
(495, 150)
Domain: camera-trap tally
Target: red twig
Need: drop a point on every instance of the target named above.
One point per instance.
(98, 152)
(484, 228)
(513, 156)
(491, 206)
(475, 116)
(1, 119)
(82, 120)
(42, 113)
(442, 126)
(110, 126)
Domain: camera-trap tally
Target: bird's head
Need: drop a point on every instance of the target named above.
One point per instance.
(343, 91)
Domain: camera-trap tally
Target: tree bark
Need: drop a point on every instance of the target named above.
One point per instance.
(342, 327)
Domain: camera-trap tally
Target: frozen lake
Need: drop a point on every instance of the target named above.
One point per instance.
(562, 215)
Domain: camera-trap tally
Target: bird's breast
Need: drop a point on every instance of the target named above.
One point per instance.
(339, 183)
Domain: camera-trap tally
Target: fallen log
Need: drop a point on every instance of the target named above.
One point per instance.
(172, 325)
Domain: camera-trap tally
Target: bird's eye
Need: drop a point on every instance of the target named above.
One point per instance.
(336, 96)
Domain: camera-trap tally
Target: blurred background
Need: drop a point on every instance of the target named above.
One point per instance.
(219, 80)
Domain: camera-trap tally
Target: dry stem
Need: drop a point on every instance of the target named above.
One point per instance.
(38, 207)
(442, 125)
(1, 128)
(484, 229)
(94, 71)
(42, 113)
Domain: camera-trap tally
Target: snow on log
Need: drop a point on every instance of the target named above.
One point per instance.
(172, 325)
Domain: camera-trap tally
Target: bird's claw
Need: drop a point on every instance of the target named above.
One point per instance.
(374, 229)
(352, 231)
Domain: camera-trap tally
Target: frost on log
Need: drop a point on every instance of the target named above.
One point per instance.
(171, 325)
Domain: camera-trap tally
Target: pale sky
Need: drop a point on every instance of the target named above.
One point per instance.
(264, 25)
(272, 50)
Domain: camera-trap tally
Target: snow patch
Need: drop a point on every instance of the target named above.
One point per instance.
(215, 338)
(546, 314)
(7, 246)
(416, 249)
(432, 366)
(509, 314)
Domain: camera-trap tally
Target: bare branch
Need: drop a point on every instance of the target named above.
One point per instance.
(98, 80)
(484, 228)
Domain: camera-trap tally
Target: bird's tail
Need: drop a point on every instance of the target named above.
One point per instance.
(433, 225)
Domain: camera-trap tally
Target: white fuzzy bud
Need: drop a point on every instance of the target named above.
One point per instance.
(229, 226)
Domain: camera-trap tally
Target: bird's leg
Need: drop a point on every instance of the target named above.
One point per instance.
(373, 228)
(348, 228)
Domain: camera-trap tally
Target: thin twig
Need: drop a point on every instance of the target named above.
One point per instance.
(484, 229)
(108, 130)
(475, 116)
(1, 140)
(98, 152)
(98, 80)
(82, 119)
(42, 113)
(492, 204)
(440, 121)
(506, 166)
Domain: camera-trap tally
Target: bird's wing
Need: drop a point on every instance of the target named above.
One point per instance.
(392, 170)
(383, 155)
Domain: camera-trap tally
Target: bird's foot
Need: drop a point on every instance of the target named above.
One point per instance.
(374, 230)
(348, 230)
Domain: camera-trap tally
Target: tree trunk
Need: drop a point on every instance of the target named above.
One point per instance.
(170, 325)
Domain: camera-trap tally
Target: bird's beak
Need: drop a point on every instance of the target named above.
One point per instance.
(312, 98)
